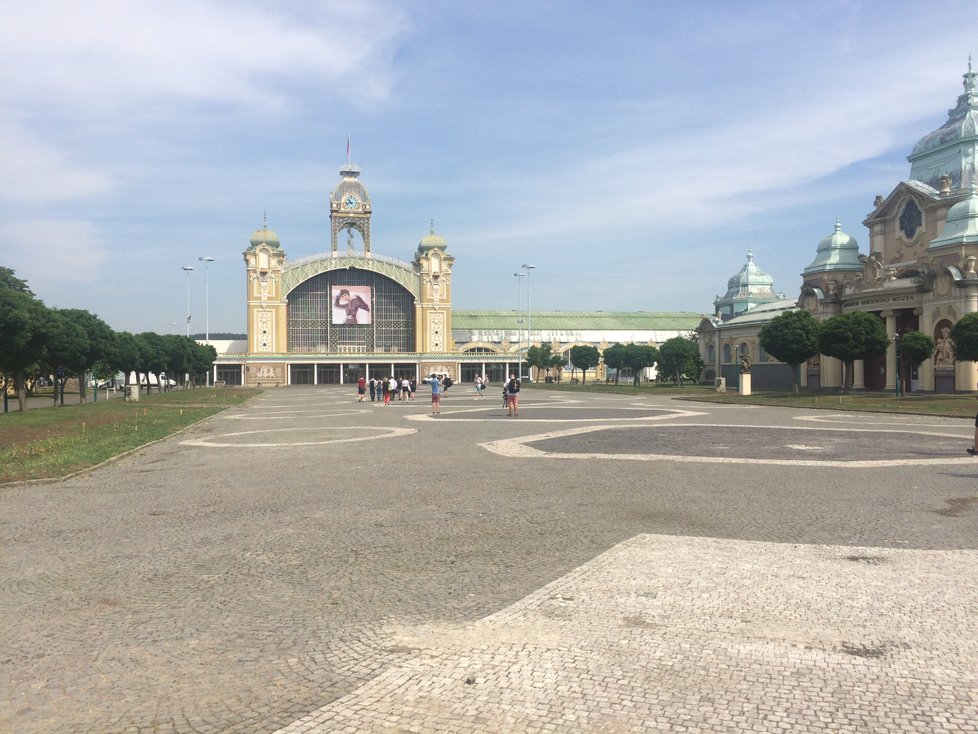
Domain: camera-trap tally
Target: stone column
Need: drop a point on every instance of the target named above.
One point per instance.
(830, 372)
(858, 375)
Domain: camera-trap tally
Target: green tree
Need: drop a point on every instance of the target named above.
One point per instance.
(679, 358)
(202, 358)
(964, 337)
(636, 357)
(124, 355)
(152, 357)
(22, 336)
(852, 336)
(101, 340)
(11, 282)
(584, 358)
(791, 338)
(176, 356)
(65, 350)
(614, 358)
(543, 358)
(915, 349)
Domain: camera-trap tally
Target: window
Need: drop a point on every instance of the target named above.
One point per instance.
(311, 331)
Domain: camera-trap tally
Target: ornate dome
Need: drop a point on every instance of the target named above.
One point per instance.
(948, 149)
(750, 287)
(432, 241)
(750, 277)
(266, 236)
(961, 225)
(838, 251)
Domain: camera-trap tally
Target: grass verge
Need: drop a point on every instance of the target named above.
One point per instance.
(956, 406)
(47, 443)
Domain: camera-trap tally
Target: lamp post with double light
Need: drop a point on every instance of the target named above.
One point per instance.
(189, 269)
(519, 324)
(207, 300)
(529, 324)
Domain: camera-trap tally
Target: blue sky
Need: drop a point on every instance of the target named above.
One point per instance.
(632, 151)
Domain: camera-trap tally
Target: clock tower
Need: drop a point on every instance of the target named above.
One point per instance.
(349, 209)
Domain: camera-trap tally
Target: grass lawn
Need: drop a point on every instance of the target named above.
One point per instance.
(55, 442)
(962, 406)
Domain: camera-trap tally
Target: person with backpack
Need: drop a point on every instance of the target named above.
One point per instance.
(513, 396)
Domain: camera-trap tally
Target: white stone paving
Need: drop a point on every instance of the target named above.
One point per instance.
(698, 635)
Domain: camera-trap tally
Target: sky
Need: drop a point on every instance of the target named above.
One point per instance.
(631, 151)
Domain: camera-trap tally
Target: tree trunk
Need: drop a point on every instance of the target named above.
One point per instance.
(21, 389)
(82, 386)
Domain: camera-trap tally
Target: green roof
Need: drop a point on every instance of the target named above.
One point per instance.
(579, 320)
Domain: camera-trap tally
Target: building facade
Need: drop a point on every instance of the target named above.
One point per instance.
(332, 317)
(917, 275)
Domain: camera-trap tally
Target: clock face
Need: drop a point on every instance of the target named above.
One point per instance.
(351, 202)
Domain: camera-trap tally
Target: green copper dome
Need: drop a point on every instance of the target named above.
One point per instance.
(950, 149)
(961, 226)
(432, 241)
(838, 251)
(265, 236)
(750, 287)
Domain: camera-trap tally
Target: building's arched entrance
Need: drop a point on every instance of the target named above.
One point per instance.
(384, 324)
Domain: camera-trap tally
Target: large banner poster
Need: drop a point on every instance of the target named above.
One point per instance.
(351, 304)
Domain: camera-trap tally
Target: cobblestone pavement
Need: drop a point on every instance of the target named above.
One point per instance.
(305, 563)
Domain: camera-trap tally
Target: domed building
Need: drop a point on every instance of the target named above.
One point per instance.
(917, 275)
(348, 312)
(749, 288)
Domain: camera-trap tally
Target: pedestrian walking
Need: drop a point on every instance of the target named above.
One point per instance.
(385, 387)
(361, 388)
(479, 386)
(373, 389)
(392, 387)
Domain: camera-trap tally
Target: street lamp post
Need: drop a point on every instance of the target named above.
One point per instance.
(189, 270)
(528, 268)
(207, 300)
(519, 324)
(899, 376)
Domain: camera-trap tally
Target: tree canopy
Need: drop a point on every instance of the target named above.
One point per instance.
(543, 358)
(915, 349)
(679, 358)
(964, 336)
(38, 341)
(852, 336)
(585, 357)
(791, 338)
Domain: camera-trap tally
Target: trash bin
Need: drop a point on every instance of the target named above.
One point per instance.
(132, 393)
(550, 380)
(721, 384)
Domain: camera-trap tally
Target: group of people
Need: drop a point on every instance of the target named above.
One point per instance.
(390, 388)
(385, 389)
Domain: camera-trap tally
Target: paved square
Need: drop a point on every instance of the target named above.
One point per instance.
(601, 563)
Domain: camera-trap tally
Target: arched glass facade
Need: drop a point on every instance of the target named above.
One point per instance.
(311, 316)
